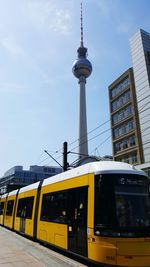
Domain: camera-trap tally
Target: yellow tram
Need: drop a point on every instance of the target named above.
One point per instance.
(99, 211)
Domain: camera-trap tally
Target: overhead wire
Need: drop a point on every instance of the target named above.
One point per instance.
(143, 117)
(101, 143)
(102, 124)
(59, 150)
(90, 139)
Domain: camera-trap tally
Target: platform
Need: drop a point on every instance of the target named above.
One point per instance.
(18, 251)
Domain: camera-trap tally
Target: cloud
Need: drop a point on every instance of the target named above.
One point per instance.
(47, 16)
(61, 22)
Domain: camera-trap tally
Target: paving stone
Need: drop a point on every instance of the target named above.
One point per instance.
(18, 251)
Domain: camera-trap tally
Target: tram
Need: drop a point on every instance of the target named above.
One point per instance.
(99, 211)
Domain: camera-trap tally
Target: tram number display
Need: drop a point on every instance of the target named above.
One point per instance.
(110, 258)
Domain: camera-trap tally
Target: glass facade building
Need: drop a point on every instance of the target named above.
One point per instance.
(16, 177)
(140, 51)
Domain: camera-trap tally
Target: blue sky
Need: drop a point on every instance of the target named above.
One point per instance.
(38, 92)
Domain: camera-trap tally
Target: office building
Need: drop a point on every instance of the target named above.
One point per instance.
(140, 51)
(16, 177)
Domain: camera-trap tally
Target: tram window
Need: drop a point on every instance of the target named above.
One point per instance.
(19, 209)
(9, 209)
(29, 207)
(25, 207)
(54, 207)
(1, 208)
(122, 201)
(104, 202)
(65, 206)
(77, 206)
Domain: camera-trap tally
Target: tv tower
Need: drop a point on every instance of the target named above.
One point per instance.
(82, 69)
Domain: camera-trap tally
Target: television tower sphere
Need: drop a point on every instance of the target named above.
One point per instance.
(82, 67)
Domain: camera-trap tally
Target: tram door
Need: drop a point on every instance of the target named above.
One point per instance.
(23, 221)
(77, 221)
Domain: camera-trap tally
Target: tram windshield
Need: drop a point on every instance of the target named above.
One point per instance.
(122, 202)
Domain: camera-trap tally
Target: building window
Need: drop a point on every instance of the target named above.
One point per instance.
(119, 88)
(124, 144)
(120, 101)
(121, 115)
(125, 83)
(132, 141)
(128, 111)
(119, 131)
(117, 147)
(124, 113)
(130, 125)
(127, 96)
(113, 93)
(116, 132)
(114, 105)
(134, 159)
(123, 129)
(115, 118)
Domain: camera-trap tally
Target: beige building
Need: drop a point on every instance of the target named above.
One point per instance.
(126, 136)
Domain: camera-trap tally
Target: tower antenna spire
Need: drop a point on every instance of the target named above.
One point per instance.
(81, 26)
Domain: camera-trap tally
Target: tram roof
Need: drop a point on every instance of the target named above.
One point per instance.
(29, 187)
(13, 193)
(5, 195)
(98, 167)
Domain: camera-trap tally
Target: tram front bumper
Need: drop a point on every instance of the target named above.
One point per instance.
(135, 254)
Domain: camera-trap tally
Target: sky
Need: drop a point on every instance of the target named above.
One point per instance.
(38, 92)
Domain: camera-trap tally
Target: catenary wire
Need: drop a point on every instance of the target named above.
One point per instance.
(141, 111)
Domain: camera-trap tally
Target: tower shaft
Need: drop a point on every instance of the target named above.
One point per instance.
(83, 142)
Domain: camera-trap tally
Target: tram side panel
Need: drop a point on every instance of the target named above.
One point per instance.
(100, 249)
(2, 203)
(25, 212)
(3, 208)
(50, 229)
(60, 218)
(10, 209)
